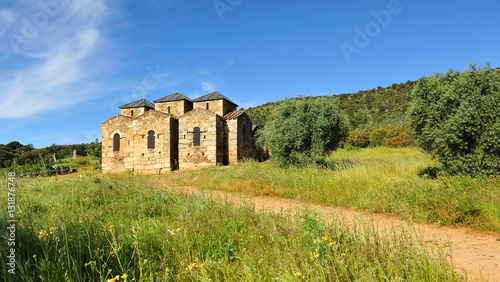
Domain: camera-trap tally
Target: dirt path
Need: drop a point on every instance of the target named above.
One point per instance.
(474, 253)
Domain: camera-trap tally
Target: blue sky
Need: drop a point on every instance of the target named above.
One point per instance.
(66, 65)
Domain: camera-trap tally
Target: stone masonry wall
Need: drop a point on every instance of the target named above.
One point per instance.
(157, 160)
(177, 108)
(239, 139)
(137, 111)
(228, 107)
(210, 151)
(114, 161)
(220, 107)
(245, 142)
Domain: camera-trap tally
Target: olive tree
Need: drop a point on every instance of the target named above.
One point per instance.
(456, 117)
(302, 129)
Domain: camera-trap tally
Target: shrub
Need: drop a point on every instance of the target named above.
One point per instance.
(299, 130)
(359, 138)
(456, 118)
(80, 161)
(399, 137)
(377, 138)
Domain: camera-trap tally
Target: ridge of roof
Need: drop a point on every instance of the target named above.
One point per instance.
(173, 97)
(137, 104)
(213, 96)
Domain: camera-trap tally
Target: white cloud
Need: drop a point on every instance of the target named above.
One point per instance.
(208, 86)
(52, 55)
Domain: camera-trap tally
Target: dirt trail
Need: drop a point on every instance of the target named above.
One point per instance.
(474, 253)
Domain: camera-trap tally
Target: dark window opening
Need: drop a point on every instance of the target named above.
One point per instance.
(168, 109)
(207, 106)
(196, 136)
(116, 142)
(151, 139)
(131, 112)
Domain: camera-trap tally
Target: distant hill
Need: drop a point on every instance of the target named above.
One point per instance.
(374, 108)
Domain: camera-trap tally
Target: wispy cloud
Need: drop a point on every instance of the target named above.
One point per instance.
(208, 86)
(52, 55)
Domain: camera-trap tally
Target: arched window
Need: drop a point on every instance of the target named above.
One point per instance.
(116, 142)
(168, 108)
(207, 106)
(151, 139)
(196, 136)
(132, 113)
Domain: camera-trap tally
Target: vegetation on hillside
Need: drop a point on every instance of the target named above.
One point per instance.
(457, 120)
(381, 107)
(90, 227)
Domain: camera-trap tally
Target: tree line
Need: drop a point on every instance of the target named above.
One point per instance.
(27, 158)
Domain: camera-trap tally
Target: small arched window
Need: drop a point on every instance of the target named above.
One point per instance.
(131, 113)
(208, 106)
(196, 136)
(116, 142)
(168, 108)
(151, 139)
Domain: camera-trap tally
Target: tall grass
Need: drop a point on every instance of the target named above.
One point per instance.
(90, 227)
(376, 180)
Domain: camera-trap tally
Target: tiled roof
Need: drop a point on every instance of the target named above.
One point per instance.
(233, 115)
(174, 97)
(138, 104)
(213, 96)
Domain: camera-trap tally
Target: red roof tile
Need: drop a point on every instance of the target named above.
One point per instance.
(233, 115)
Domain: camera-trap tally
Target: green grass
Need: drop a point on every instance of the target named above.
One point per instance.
(90, 227)
(375, 179)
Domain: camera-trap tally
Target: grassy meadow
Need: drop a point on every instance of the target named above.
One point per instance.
(374, 179)
(93, 227)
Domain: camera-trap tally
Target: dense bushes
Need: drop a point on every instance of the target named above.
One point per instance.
(303, 130)
(394, 137)
(380, 107)
(359, 138)
(456, 118)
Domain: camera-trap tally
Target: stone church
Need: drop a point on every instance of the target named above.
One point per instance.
(177, 133)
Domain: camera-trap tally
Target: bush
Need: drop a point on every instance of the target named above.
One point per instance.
(80, 161)
(377, 138)
(399, 137)
(301, 130)
(456, 118)
(359, 138)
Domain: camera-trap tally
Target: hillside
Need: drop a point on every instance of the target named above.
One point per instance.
(375, 108)
(381, 107)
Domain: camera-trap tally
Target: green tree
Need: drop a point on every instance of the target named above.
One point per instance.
(300, 130)
(377, 137)
(457, 120)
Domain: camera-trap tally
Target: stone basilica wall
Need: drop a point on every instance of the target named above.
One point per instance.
(134, 154)
(222, 140)
(177, 108)
(210, 150)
